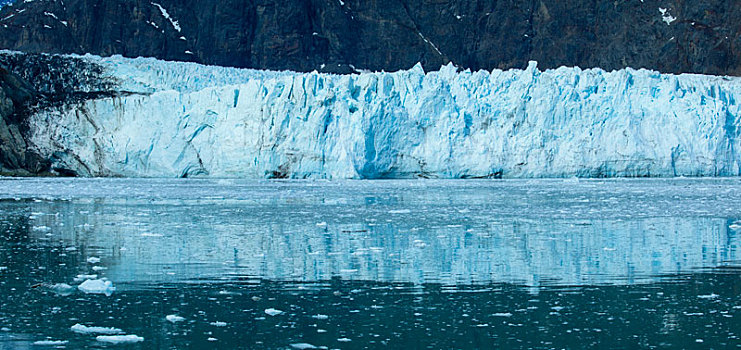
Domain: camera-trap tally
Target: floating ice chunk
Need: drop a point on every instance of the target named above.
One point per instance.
(175, 318)
(147, 234)
(226, 292)
(93, 260)
(100, 286)
(419, 243)
(119, 339)
(83, 329)
(79, 278)
(50, 342)
(212, 339)
(709, 296)
(693, 313)
(62, 288)
(400, 211)
(273, 312)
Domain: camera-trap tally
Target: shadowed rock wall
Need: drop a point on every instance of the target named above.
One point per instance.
(339, 36)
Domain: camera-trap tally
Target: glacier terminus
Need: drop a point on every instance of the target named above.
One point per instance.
(174, 119)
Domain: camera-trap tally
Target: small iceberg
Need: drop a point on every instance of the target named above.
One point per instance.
(273, 312)
(119, 339)
(175, 318)
(79, 278)
(50, 342)
(62, 289)
(709, 296)
(83, 329)
(100, 286)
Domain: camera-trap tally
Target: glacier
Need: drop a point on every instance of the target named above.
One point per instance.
(175, 119)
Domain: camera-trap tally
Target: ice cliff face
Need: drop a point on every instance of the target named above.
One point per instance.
(185, 119)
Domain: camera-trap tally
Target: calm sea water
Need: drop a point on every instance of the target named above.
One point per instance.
(371, 264)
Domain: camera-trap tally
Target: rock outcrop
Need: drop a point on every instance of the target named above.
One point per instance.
(16, 157)
(673, 36)
(33, 82)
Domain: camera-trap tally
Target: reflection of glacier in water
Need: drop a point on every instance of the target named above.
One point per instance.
(555, 232)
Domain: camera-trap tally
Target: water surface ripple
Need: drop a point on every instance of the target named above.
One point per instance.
(361, 264)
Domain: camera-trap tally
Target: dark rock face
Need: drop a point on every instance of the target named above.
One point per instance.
(58, 79)
(333, 35)
(15, 156)
(30, 82)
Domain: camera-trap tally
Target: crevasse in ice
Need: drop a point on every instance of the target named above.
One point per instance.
(185, 119)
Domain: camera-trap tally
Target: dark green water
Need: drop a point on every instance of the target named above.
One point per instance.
(545, 264)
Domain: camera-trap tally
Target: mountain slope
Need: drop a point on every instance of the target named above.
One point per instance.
(342, 35)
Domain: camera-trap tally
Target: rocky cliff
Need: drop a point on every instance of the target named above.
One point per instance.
(16, 157)
(30, 83)
(670, 36)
